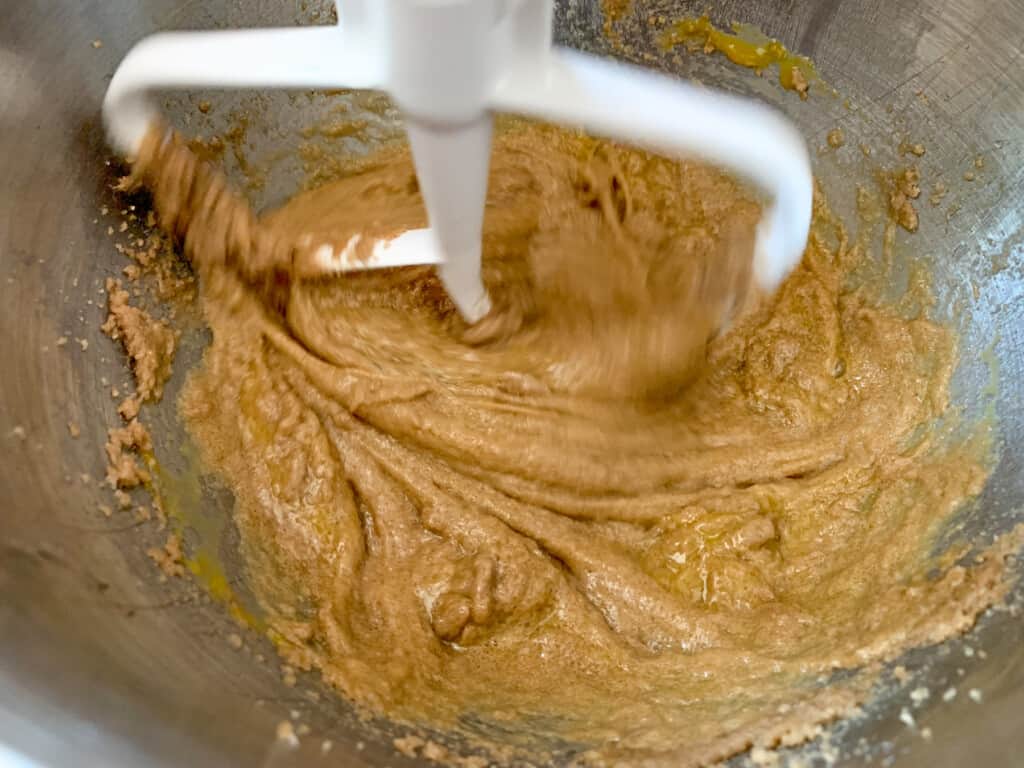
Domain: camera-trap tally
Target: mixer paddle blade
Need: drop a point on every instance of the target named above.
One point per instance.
(480, 57)
(414, 247)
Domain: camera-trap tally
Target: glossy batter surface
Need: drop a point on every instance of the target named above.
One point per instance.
(592, 523)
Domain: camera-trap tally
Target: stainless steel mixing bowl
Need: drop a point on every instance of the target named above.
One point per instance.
(100, 664)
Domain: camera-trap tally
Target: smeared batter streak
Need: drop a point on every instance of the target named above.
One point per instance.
(589, 524)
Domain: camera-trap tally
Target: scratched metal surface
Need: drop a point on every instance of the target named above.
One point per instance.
(101, 665)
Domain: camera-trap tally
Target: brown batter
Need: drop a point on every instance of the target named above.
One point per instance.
(573, 528)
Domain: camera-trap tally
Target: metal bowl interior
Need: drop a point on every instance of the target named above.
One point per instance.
(102, 665)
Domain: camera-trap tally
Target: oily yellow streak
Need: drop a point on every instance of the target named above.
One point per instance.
(180, 497)
(745, 46)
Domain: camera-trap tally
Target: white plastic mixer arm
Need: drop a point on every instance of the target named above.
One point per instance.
(302, 57)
